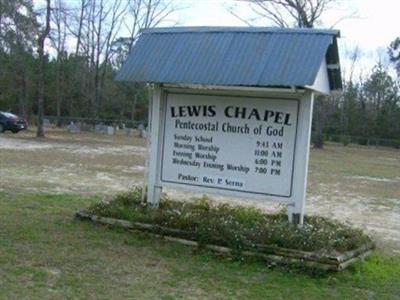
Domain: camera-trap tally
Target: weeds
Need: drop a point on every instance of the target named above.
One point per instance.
(237, 227)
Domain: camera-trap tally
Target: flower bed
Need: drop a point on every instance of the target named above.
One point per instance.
(320, 242)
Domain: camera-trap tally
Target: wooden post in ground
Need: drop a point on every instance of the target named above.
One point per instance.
(146, 166)
(296, 210)
(153, 161)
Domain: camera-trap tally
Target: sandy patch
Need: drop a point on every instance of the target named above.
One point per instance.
(14, 144)
(28, 145)
(368, 178)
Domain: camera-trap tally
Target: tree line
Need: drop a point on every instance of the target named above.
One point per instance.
(85, 49)
(88, 40)
(367, 108)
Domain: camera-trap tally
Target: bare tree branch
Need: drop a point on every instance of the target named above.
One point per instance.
(288, 13)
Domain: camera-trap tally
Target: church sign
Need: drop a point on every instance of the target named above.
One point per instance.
(230, 143)
(234, 120)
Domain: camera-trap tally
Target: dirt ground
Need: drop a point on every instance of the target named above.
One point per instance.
(354, 184)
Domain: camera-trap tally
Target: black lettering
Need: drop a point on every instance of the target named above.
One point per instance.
(268, 114)
(240, 112)
(182, 111)
(211, 111)
(287, 117)
(278, 117)
(194, 111)
(227, 111)
(254, 112)
(173, 115)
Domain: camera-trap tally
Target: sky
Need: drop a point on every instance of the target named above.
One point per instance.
(371, 24)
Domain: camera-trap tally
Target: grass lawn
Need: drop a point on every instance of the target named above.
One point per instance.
(355, 184)
(46, 254)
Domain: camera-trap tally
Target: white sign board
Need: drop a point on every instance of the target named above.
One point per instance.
(238, 144)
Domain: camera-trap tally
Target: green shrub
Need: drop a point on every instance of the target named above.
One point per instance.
(345, 140)
(237, 227)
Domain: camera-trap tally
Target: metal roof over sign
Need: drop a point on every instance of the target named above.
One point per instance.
(239, 56)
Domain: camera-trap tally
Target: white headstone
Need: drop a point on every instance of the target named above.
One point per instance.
(72, 128)
(109, 130)
(46, 123)
(143, 133)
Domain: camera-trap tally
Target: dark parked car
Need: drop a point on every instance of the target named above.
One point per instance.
(9, 121)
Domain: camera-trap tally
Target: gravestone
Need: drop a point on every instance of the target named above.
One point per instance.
(72, 128)
(109, 130)
(99, 128)
(46, 123)
(142, 131)
(128, 131)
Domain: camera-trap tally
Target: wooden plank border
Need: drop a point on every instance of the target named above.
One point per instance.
(318, 260)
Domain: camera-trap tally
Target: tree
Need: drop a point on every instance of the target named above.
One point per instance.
(142, 14)
(83, 57)
(17, 24)
(95, 30)
(394, 54)
(290, 13)
(383, 100)
(58, 38)
(17, 36)
(302, 14)
(41, 41)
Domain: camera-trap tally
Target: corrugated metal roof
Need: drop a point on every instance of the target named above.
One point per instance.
(250, 56)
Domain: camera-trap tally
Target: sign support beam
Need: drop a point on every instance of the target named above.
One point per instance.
(296, 210)
(155, 123)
